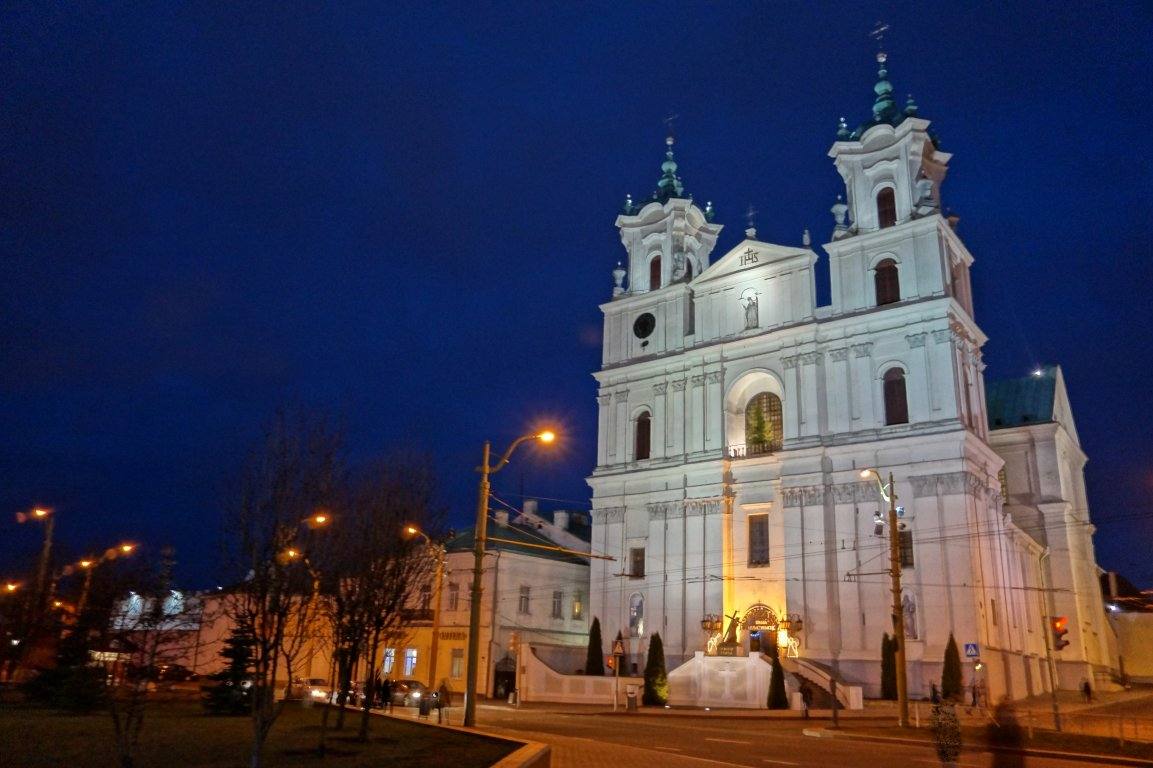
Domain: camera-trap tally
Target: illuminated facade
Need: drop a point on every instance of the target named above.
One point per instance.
(736, 416)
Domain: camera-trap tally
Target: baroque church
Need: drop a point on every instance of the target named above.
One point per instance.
(736, 418)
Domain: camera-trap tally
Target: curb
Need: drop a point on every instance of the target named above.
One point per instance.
(531, 754)
(1049, 753)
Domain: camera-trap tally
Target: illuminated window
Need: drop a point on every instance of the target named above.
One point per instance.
(906, 541)
(558, 605)
(642, 437)
(525, 599)
(896, 404)
(637, 562)
(409, 661)
(453, 597)
(655, 273)
(578, 606)
(457, 668)
(886, 208)
(389, 660)
(764, 425)
(887, 282)
(758, 539)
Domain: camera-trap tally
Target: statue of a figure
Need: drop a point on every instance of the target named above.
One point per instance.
(909, 609)
(751, 318)
(731, 631)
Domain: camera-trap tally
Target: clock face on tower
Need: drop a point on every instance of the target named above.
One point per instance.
(644, 325)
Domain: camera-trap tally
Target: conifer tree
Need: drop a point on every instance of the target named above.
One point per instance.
(656, 676)
(756, 437)
(595, 660)
(778, 699)
(888, 668)
(951, 672)
(232, 694)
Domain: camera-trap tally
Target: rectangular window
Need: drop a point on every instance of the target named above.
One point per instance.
(456, 671)
(558, 605)
(453, 597)
(637, 562)
(758, 539)
(578, 606)
(906, 538)
(425, 598)
(525, 600)
(409, 662)
(389, 660)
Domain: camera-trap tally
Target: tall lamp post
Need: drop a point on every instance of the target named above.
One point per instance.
(889, 494)
(438, 584)
(479, 535)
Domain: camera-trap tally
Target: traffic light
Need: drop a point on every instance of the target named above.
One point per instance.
(611, 662)
(1060, 626)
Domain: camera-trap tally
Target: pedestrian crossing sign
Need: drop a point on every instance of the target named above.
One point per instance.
(971, 651)
(618, 648)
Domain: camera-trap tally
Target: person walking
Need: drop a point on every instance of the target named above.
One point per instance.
(946, 734)
(1086, 691)
(386, 695)
(1004, 736)
(806, 699)
(443, 702)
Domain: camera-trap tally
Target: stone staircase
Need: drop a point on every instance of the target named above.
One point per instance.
(819, 677)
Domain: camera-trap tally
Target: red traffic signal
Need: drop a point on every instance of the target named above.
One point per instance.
(1060, 626)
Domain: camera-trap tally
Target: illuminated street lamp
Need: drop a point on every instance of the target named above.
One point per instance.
(49, 520)
(479, 535)
(889, 494)
(412, 530)
(88, 565)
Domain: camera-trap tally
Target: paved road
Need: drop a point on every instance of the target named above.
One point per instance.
(611, 741)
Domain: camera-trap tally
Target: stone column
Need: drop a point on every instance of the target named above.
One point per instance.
(621, 428)
(697, 422)
(809, 375)
(839, 402)
(924, 390)
(660, 420)
(677, 428)
(863, 384)
(794, 396)
(714, 421)
(604, 428)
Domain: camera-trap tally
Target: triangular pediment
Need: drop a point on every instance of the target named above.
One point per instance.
(750, 255)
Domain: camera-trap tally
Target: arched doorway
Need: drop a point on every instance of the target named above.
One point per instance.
(761, 628)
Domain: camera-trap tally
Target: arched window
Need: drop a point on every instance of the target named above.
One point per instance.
(642, 445)
(896, 404)
(886, 208)
(688, 270)
(764, 425)
(887, 281)
(655, 273)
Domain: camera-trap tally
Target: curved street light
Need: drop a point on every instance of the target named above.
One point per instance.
(438, 583)
(889, 494)
(479, 535)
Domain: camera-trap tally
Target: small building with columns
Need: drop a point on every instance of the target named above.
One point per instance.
(736, 416)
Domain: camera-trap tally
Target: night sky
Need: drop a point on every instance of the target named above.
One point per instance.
(402, 214)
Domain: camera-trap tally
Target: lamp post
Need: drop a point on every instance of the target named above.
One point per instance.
(889, 494)
(479, 535)
(438, 584)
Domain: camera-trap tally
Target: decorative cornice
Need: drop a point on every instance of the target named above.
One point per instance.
(679, 385)
(699, 507)
(916, 340)
(810, 358)
(665, 510)
(952, 484)
(713, 377)
(621, 397)
(856, 492)
(698, 381)
(942, 336)
(609, 515)
(839, 355)
(863, 350)
(790, 362)
(660, 387)
(604, 399)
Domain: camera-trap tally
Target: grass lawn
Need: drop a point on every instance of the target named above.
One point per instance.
(181, 735)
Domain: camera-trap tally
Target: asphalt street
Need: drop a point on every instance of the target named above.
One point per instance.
(590, 740)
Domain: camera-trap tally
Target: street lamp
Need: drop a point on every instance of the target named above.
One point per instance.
(485, 469)
(88, 565)
(889, 494)
(41, 513)
(434, 647)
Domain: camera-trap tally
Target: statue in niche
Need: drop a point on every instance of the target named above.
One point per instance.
(909, 609)
(752, 310)
(679, 265)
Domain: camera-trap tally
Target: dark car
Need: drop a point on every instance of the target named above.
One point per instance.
(408, 693)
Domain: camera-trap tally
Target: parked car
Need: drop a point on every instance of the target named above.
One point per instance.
(408, 693)
(314, 688)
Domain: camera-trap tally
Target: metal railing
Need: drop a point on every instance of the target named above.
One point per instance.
(749, 450)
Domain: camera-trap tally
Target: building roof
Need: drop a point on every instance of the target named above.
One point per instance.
(1027, 400)
(522, 539)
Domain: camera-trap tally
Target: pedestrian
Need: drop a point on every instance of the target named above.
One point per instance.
(806, 699)
(1004, 736)
(946, 733)
(1087, 691)
(443, 702)
(976, 693)
(934, 694)
(386, 695)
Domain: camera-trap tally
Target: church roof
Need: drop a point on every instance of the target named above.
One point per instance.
(669, 186)
(885, 109)
(1027, 400)
(522, 539)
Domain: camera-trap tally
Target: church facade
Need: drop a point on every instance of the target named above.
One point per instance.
(736, 417)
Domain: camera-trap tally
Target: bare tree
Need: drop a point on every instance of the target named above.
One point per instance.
(288, 489)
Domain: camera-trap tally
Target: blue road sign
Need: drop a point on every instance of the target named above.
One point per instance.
(972, 651)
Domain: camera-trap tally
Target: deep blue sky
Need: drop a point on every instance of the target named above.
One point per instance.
(403, 214)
